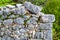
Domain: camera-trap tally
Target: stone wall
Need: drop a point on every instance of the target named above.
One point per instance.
(25, 22)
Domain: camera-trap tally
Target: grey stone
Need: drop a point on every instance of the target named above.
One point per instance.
(27, 4)
(0, 38)
(3, 29)
(17, 27)
(23, 30)
(34, 18)
(1, 12)
(0, 24)
(6, 37)
(17, 11)
(48, 18)
(19, 21)
(23, 38)
(8, 32)
(36, 9)
(47, 34)
(6, 11)
(45, 26)
(8, 22)
(39, 35)
(35, 39)
(20, 11)
(33, 8)
(30, 26)
(31, 21)
(17, 32)
(13, 10)
(1, 20)
(16, 38)
(48, 39)
(26, 17)
(11, 16)
(1, 33)
(4, 16)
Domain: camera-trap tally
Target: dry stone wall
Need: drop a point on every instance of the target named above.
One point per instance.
(25, 22)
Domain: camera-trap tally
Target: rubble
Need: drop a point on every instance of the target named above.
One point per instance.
(25, 22)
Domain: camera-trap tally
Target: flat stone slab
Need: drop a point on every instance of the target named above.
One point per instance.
(45, 26)
(47, 18)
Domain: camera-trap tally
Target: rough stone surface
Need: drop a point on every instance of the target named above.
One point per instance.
(19, 21)
(25, 22)
(48, 18)
(8, 22)
(45, 26)
(33, 8)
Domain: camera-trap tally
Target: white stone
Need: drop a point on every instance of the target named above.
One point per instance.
(10, 6)
(41, 14)
(18, 5)
(19, 21)
(48, 18)
(45, 26)
(37, 16)
(8, 22)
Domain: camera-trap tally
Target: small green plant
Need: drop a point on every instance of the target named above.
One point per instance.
(38, 2)
(53, 7)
